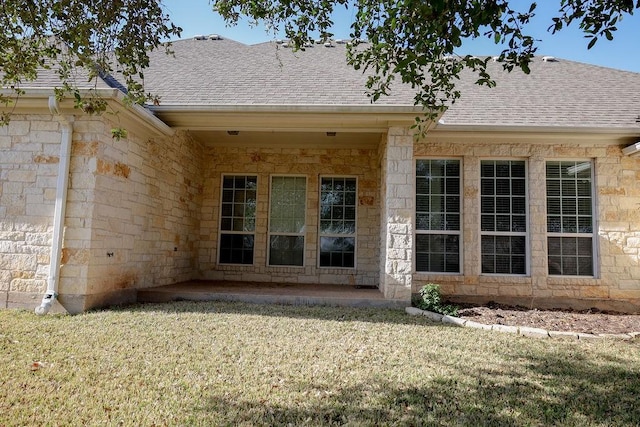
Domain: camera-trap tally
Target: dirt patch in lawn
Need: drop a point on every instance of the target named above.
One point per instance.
(589, 321)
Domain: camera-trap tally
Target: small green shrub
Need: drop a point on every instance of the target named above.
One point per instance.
(429, 299)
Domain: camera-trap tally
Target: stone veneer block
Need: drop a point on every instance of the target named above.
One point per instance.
(583, 336)
(414, 311)
(505, 328)
(533, 332)
(563, 334)
(616, 336)
(453, 320)
(437, 317)
(476, 325)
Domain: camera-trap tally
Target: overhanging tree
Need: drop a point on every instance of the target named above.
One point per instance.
(415, 41)
(86, 38)
(412, 41)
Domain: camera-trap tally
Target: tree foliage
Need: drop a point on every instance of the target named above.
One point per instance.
(415, 41)
(412, 41)
(80, 39)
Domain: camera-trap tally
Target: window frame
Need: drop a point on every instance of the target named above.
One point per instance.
(222, 232)
(594, 217)
(302, 234)
(336, 235)
(459, 233)
(527, 219)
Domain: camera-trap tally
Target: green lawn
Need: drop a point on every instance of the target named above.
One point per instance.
(242, 364)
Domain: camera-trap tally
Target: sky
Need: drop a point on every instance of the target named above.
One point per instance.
(196, 17)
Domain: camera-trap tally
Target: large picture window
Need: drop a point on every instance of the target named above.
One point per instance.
(438, 215)
(570, 218)
(337, 222)
(503, 216)
(287, 223)
(237, 219)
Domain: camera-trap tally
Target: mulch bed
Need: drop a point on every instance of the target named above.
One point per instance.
(589, 321)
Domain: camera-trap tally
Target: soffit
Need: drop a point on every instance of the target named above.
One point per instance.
(276, 139)
(288, 118)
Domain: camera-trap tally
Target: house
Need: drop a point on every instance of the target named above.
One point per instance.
(266, 165)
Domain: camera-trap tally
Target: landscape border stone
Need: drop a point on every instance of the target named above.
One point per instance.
(524, 331)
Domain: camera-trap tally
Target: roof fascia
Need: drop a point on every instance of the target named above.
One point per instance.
(132, 117)
(346, 118)
(538, 134)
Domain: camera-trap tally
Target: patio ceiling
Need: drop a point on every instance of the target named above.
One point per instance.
(284, 139)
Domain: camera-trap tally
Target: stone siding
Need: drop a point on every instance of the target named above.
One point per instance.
(145, 212)
(29, 157)
(312, 163)
(617, 198)
(132, 213)
(397, 213)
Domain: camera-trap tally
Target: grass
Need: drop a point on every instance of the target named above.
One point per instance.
(241, 364)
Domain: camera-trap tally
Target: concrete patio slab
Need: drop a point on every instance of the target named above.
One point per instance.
(270, 293)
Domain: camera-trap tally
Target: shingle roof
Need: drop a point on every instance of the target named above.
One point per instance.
(225, 72)
(49, 78)
(555, 93)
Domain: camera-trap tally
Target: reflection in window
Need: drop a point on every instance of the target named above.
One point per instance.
(287, 214)
(237, 219)
(337, 222)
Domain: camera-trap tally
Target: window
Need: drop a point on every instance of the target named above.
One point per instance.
(237, 219)
(337, 222)
(438, 216)
(503, 216)
(287, 220)
(570, 218)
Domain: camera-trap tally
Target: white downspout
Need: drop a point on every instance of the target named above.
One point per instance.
(62, 185)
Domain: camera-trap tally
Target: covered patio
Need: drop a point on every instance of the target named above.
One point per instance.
(269, 293)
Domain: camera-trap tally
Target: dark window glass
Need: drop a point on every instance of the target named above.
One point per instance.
(337, 220)
(438, 201)
(237, 219)
(503, 219)
(570, 218)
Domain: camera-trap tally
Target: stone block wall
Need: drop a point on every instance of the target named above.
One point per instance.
(145, 212)
(270, 159)
(617, 198)
(29, 157)
(397, 214)
(132, 213)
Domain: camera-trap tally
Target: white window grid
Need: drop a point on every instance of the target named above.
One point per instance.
(518, 223)
(300, 225)
(237, 210)
(571, 199)
(344, 205)
(445, 229)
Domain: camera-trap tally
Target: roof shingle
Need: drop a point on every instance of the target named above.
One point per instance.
(227, 73)
(555, 93)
